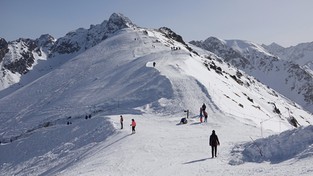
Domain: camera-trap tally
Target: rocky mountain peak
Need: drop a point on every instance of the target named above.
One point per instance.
(215, 40)
(221, 49)
(171, 34)
(118, 21)
(45, 40)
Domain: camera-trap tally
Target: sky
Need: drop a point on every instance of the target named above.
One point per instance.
(286, 22)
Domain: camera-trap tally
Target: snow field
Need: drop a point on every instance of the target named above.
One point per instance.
(116, 77)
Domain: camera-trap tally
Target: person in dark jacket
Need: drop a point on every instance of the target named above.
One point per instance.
(214, 142)
(203, 107)
(121, 121)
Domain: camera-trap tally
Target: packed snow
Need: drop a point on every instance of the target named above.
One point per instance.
(67, 121)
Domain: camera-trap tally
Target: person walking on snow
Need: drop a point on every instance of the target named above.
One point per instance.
(121, 120)
(214, 142)
(201, 115)
(205, 116)
(203, 107)
(133, 125)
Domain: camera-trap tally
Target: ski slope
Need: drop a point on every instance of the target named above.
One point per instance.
(67, 121)
(161, 147)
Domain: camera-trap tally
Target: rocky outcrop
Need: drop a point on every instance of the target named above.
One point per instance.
(81, 39)
(3, 48)
(22, 55)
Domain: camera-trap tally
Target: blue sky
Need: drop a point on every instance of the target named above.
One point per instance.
(286, 22)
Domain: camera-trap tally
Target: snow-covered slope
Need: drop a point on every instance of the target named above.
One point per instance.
(285, 77)
(66, 122)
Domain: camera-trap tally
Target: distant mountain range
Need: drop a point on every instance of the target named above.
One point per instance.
(286, 70)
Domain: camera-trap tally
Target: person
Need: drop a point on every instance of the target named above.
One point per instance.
(183, 121)
(121, 120)
(154, 64)
(187, 111)
(205, 116)
(133, 125)
(214, 142)
(203, 107)
(201, 115)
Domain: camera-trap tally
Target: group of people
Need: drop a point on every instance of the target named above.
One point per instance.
(133, 124)
(213, 139)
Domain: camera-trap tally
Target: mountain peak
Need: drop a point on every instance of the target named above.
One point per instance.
(215, 40)
(119, 21)
(275, 45)
(45, 40)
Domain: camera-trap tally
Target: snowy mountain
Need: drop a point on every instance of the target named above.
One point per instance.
(284, 76)
(301, 54)
(20, 56)
(65, 119)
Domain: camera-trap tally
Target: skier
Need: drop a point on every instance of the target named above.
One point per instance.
(133, 125)
(214, 142)
(201, 115)
(121, 120)
(154, 64)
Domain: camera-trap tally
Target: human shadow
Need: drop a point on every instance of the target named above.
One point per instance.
(196, 123)
(117, 141)
(195, 161)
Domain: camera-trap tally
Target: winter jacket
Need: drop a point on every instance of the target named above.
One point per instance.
(203, 107)
(133, 123)
(214, 140)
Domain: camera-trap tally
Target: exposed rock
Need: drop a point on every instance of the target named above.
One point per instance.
(3, 48)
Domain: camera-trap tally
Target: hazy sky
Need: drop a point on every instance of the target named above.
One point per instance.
(286, 22)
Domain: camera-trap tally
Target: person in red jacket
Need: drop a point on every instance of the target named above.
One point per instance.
(133, 125)
(214, 142)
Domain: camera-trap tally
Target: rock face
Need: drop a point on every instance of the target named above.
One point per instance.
(284, 75)
(3, 48)
(81, 39)
(22, 52)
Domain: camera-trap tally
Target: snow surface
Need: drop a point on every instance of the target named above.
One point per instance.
(67, 121)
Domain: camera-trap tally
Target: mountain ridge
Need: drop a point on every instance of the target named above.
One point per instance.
(284, 76)
(22, 54)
